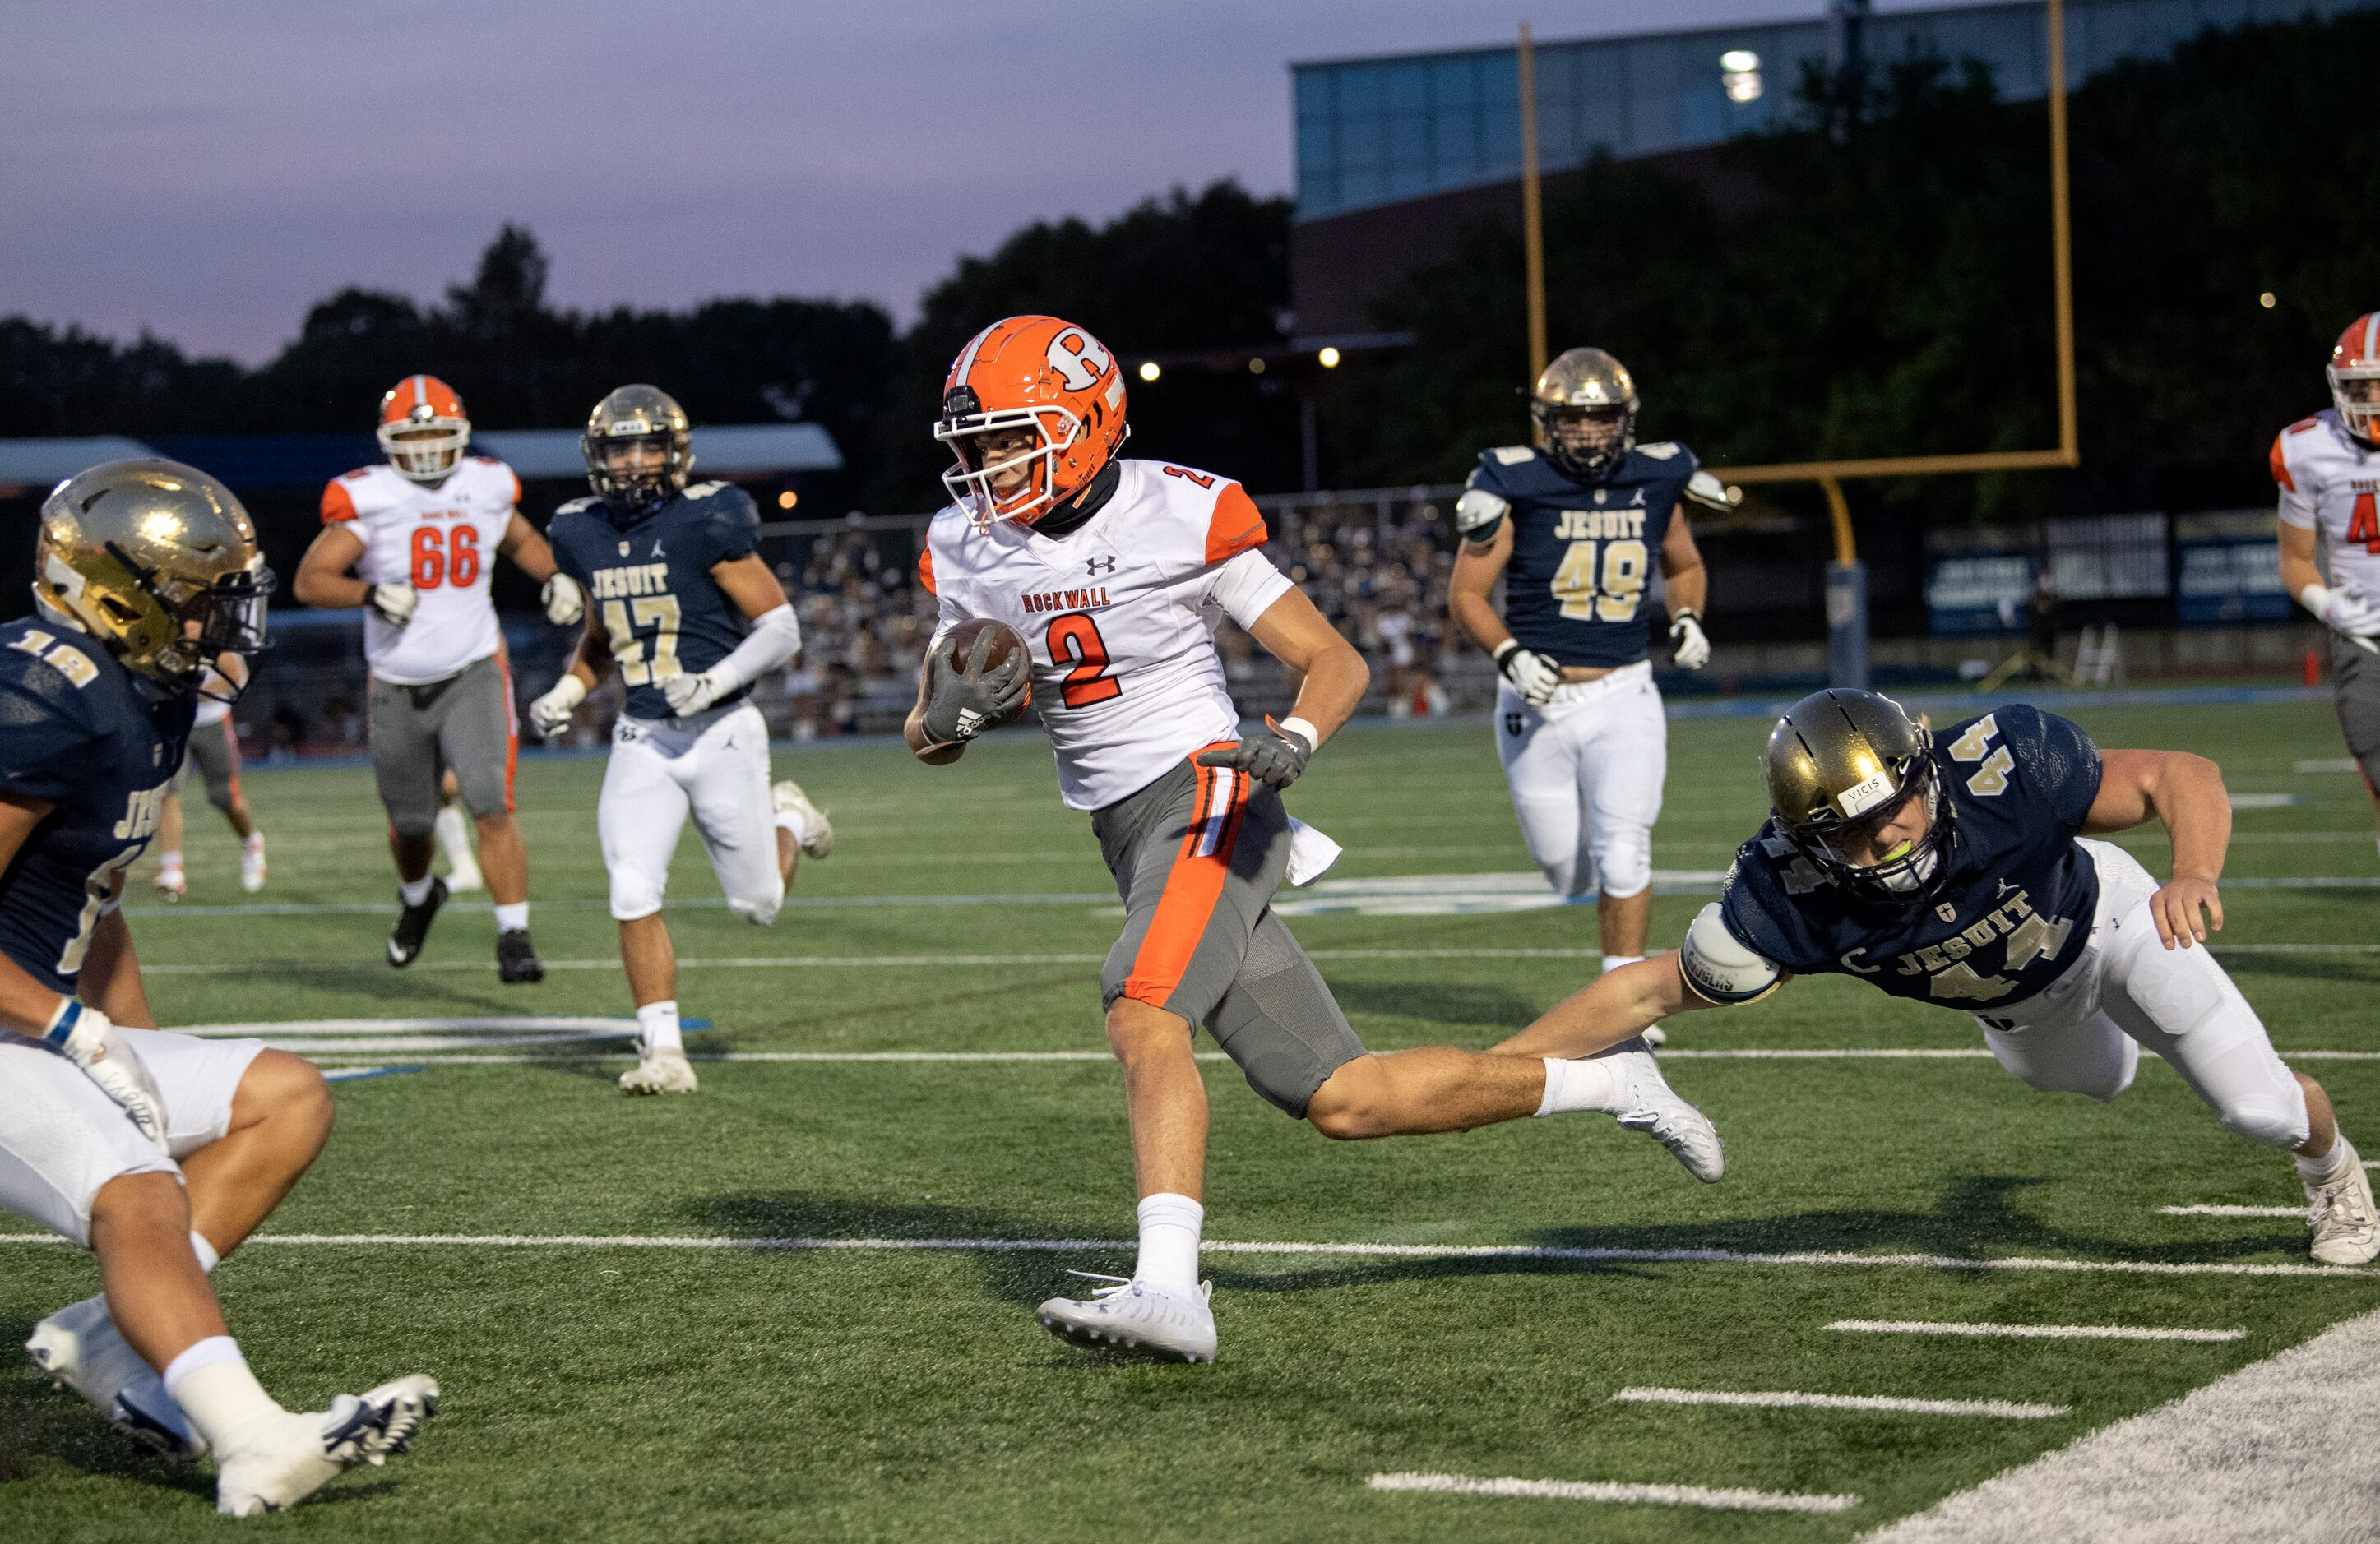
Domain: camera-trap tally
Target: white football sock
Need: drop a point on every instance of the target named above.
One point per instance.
(512, 917)
(208, 1259)
(1614, 961)
(1169, 1240)
(211, 1384)
(414, 891)
(253, 842)
(454, 836)
(796, 822)
(657, 1026)
(169, 863)
(2330, 1165)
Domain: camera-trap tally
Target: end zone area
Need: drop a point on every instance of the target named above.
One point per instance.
(1473, 1307)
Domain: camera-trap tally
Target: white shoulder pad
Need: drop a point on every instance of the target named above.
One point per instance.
(575, 505)
(1661, 450)
(1476, 512)
(1718, 967)
(1512, 455)
(1704, 488)
(704, 489)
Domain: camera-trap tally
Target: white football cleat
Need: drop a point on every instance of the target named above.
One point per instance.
(251, 864)
(465, 876)
(171, 885)
(78, 1348)
(2345, 1224)
(788, 796)
(1647, 1103)
(300, 1453)
(1132, 1315)
(660, 1072)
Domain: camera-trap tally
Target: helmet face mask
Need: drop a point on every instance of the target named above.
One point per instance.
(639, 448)
(2354, 376)
(422, 429)
(1584, 403)
(1845, 768)
(1033, 410)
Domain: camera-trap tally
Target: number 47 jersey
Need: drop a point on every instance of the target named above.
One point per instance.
(1119, 616)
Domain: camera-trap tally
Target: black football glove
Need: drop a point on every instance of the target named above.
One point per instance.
(1273, 758)
(965, 699)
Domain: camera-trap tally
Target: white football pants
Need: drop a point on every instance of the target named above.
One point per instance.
(713, 766)
(1586, 772)
(2083, 1032)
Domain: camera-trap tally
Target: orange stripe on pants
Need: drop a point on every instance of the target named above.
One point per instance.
(1192, 886)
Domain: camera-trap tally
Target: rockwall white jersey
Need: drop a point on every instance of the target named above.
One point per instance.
(1120, 617)
(441, 540)
(2330, 483)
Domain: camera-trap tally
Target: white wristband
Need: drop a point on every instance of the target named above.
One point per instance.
(2314, 598)
(1300, 726)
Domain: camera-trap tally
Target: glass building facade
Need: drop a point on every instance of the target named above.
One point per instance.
(1382, 130)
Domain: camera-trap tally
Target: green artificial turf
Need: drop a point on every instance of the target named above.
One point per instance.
(621, 1393)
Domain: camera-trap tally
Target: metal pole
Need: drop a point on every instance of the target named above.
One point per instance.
(2069, 436)
(1846, 597)
(1533, 221)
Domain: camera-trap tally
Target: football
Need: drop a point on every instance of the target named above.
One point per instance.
(1005, 640)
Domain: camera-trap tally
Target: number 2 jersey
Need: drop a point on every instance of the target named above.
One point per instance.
(441, 539)
(2330, 483)
(1119, 616)
(2017, 894)
(1583, 552)
(649, 583)
(79, 731)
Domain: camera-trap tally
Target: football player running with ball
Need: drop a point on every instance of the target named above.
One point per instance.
(680, 600)
(159, 1152)
(1574, 531)
(414, 542)
(1115, 575)
(2328, 469)
(1956, 868)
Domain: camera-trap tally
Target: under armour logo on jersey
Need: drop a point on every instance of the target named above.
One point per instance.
(1100, 566)
(1078, 359)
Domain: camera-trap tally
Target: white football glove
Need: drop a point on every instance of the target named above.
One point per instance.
(566, 603)
(394, 602)
(1690, 649)
(91, 1040)
(1532, 675)
(689, 694)
(551, 714)
(2347, 611)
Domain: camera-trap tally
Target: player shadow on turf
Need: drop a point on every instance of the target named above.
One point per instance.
(1492, 1007)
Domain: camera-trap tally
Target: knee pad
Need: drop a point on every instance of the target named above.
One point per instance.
(411, 825)
(2270, 1120)
(759, 910)
(1624, 861)
(636, 892)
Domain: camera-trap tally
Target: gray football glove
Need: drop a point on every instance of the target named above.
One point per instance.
(1274, 758)
(963, 699)
(91, 1040)
(1532, 675)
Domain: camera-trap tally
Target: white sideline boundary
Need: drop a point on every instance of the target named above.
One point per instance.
(1818, 1258)
(1787, 1399)
(1609, 1490)
(2278, 1452)
(2030, 1332)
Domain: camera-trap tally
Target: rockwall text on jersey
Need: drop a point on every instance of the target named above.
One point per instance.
(2017, 894)
(442, 541)
(1119, 616)
(650, 583)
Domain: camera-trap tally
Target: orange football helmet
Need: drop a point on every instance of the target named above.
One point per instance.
(2356, 358)
(423, 430)
(1035, 373)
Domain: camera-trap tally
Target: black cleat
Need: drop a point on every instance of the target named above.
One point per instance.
(516, 958)
(412, 929)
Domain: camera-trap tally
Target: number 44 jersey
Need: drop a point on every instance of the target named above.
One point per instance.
(1119, 616)
(649, 583)
(442, 541)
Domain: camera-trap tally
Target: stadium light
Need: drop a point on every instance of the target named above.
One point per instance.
(1149, 369)
(788, 499)
(1740, 75)
(2267, 300)
(1329, 358)
(1256, 366)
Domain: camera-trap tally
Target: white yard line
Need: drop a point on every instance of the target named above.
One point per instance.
(2232, 1210)
(2029, 1332)
(1822, 1259)
(434, 1052)
(2279, 1451)
(1786, 1399)
(1608, 1490)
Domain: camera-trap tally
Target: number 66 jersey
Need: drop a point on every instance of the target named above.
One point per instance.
(1119, 616)
(441, 539)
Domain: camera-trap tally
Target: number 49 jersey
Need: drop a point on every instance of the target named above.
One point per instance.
(1119, 617)
(649, 583)
(442, 541)
(2330, 482)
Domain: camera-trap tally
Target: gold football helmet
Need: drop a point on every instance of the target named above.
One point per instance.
(1840, 764)
(630, 416)
(159, 562)
(1585, 403)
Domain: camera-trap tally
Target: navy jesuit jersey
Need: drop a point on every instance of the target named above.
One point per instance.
(2017, 895)
(650, 583)
(1583, 552)
(79, 731)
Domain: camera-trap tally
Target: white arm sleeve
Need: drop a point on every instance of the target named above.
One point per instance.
(1718, 968)
(776, 636)
(1246, 585)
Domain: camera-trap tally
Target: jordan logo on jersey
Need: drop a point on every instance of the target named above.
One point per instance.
(1091, 600)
